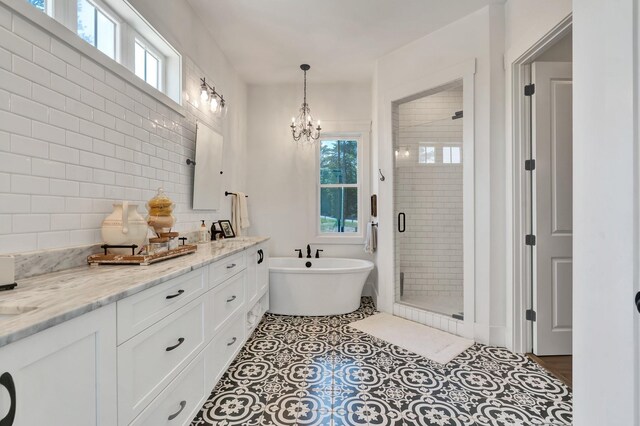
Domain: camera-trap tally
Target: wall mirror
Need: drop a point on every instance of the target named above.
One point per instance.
(207, 177)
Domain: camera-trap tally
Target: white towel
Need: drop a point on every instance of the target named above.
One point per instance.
(239, 213)
(371, 239)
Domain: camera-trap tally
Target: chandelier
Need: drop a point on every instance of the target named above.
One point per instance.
(302, 126)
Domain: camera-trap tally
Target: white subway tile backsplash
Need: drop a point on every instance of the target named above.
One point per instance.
(5, 17)
(14, 203)
(31, 71)
(5, 224)
(47, 204)
(14, 83)
(65, 221)
(14, 163)
(23, 184)
(64, 187)
(15, 44)
(74, 138)
(64, 120)
(28, 108)
(79, 173)
(18, 242)
(47, 240)
(48, 97)
(78, 109)
(65, 87)
(47, 168)
(5, 182)
(24, 223)
(78, 205)
(64, 154)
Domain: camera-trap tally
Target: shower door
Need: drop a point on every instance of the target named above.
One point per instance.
(428, 191)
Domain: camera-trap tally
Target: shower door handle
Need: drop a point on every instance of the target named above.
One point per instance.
(402, 226)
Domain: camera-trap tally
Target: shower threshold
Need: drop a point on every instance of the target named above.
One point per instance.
(444, 305)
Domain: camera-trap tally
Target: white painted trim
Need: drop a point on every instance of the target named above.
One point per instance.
(61, 32)
(518, 331)
(466, 72)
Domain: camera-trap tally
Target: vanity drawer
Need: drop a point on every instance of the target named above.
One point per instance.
(150, 360)
(144, 309)
(180, 401)
(226, 300)
(225, 268)
(224, 347)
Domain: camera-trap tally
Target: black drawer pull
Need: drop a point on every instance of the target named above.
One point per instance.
(261, 258)
(233, 265)
(232, 341)
(182, 405)
(7, 381)
(180, 341)
(231, 299)
(171, 296)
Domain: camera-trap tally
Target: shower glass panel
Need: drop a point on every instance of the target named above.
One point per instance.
(427, 136)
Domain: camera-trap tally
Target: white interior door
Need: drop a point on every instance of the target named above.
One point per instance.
(552, 201)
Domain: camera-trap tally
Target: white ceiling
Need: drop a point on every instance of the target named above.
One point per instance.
(266, 40)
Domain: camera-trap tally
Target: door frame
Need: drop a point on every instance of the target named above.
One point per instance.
(519, 332)
(464, 71)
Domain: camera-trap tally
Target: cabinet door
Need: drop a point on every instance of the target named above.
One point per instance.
(252, 283)
(64, 375)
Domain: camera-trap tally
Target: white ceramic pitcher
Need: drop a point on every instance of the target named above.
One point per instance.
(124, 226)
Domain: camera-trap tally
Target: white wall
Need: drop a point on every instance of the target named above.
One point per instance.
(606, 372)
(281, 174)
(478, 36)
(76, 136)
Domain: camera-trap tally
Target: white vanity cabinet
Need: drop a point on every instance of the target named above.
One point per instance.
(64, 375)
(149, 359)
(257, 284)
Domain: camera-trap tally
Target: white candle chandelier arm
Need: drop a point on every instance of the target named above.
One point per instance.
(302, 127)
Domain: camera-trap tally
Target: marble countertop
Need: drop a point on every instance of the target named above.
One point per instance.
(60, 296)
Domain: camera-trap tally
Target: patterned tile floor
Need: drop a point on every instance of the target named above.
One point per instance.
(319, 371)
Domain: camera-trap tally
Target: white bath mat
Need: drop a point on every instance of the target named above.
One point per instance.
(428, 342)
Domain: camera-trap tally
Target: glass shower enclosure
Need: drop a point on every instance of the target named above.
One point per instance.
(428, 191)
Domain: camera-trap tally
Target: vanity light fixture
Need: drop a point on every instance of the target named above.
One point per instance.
(302, 127)
(216, 100)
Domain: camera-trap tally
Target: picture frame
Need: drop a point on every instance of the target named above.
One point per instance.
(226, 228)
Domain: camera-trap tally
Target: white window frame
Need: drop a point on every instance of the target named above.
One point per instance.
(450, 146)
(359, 132)
(426, 145)
(111, 15)
(130, 25)
(137, 38)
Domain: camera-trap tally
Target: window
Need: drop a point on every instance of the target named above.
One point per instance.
(39, 4)
(96, 28)
(451, 155)
(426, 154)
(147, 65)
(339, 186)
(116, 29)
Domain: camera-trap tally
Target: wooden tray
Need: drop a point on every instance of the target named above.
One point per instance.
(142, 259)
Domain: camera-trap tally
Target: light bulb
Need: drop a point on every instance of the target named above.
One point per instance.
(204, 94)
(406, 152)
(318, 123)
(214, 103)
(293, 120)
(396, 152)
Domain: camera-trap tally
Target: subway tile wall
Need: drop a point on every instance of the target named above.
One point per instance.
(75, 137)
(429, 253)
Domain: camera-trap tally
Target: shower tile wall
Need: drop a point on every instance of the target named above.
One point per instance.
(430, 251)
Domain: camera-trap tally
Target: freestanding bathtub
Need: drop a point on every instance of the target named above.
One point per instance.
(314, 287)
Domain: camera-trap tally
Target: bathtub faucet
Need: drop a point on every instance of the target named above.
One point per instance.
(318, 253)
(308, 251)
(299, 253)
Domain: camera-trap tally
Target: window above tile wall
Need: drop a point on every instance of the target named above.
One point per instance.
(116, 30)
